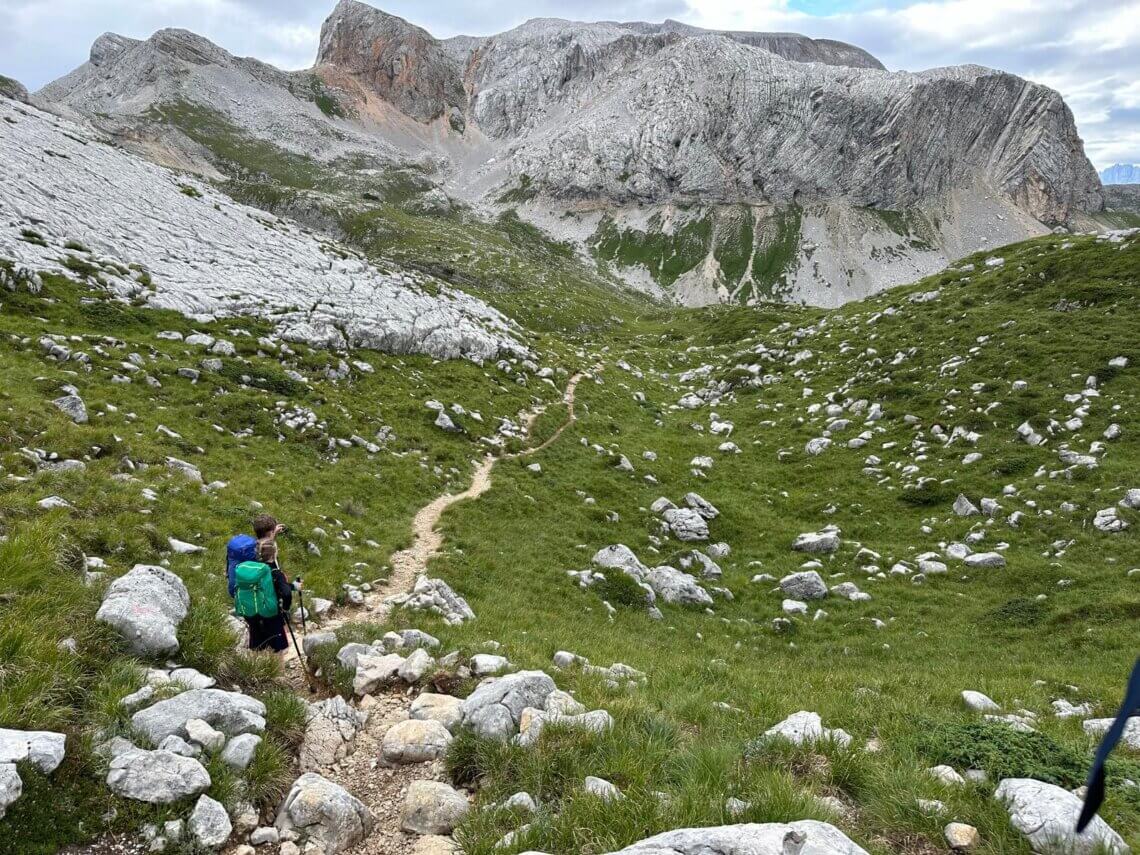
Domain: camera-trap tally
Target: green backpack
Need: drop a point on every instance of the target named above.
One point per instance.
(254, 592)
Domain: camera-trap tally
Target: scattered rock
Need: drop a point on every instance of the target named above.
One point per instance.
(432, 807)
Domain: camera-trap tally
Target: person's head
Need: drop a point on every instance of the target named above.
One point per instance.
(264, 526)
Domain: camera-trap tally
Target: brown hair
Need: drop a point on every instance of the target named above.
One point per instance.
(263, 524)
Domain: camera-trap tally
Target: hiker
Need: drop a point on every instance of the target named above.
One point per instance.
(262, 593)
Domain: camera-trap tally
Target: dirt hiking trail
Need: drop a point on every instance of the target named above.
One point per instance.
(408, 564)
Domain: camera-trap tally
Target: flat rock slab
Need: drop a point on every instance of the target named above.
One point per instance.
(157, 777)
(230, 712)
(1047, 815)
(805, 837)
(146, 605)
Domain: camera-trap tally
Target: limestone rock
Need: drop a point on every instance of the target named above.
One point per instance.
(807, 836)
(209, 823)
(324, 813)
(331, 727)
(1047, 815)
(157, 777)
(825, 541)
(673, 586)
(445, 709)
(313, 292)
(414, 741)
(687, 524)
(146, 606)
(495, 708)
(806, 585)
(804, 728)
(232, 713)
(41, 748)
(432, 807)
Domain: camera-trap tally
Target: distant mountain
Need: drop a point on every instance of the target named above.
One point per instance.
(705, 166)
(1121, 173)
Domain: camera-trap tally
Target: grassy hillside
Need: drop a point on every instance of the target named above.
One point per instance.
(1056, 622)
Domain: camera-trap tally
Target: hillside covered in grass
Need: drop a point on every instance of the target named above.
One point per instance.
(965, 446)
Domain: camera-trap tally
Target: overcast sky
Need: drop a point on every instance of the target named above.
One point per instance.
(1089, 50)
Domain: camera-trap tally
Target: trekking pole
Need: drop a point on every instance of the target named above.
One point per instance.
(300, 656)
(301, 597)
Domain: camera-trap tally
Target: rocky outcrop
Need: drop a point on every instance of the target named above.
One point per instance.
(232, 713)
(393, 59)
(762, 165)
(316, 293)
(13, 89)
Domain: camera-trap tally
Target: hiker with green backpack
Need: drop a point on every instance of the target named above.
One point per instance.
(262, 593)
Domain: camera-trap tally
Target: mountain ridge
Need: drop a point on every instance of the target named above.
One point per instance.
(587, 128)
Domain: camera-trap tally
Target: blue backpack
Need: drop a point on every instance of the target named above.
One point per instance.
(241, 548)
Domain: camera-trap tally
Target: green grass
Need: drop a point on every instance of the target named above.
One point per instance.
(716, 681)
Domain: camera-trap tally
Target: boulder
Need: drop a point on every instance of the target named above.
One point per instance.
(702, 506)
(146, 606)
(1098, 726)
(436, 596)
(621, 557)
(11, 787)
(959, 835)
(445, 709)
(805, 585)
(209, 823)
(432, 807)
(488, 664)
(825, 541)
(673, 586)
(331, 727)
(73, 407)
(495, 708)
(963, 507)
(978, 702)
(1047, 815)
(806, 836)
(415, 741)
(41, 748)
(416, 666)
(686, 524)
(157, 777)
(230, 712)
(319, 811)
(985, 559)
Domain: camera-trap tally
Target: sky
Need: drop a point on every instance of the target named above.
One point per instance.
(1088, 50)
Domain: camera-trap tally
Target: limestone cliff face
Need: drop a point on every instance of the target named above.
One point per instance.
(888, 175)
(399, 62)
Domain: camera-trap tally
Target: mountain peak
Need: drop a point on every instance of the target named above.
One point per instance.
(386, 55)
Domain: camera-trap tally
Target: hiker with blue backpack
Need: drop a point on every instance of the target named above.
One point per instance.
(261, 592)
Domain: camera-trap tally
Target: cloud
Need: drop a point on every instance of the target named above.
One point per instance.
(1089, 50)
